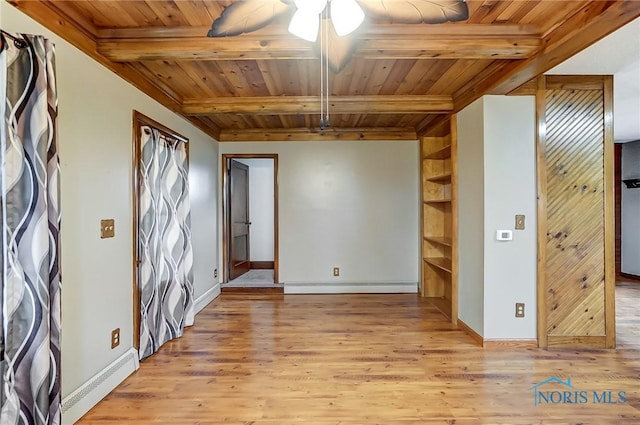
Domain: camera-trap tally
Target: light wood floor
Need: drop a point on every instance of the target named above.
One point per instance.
(628, 314)
(359, 359)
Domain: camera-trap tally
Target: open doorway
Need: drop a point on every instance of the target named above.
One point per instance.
(250, 226)
(627, 206)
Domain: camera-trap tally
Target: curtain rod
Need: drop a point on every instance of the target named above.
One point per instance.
(18, 42)
(147, 122)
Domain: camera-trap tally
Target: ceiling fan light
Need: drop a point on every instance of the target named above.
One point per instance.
(305, 25)
(346, 16)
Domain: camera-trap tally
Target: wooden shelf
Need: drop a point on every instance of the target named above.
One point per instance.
(439, 262)
(442, 153)
(439, 220)
(442, 304)
(443, 178)
(446, 241)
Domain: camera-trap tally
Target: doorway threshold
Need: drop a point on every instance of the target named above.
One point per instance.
(254, 282)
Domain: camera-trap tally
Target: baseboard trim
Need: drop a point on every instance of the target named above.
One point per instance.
(79, 402)
(628, 276)
(203, 300)
(252, 290)
(351, 288)
(475, 336)
(496, 343)
(510, 343)
(582, 342)
(262, 265)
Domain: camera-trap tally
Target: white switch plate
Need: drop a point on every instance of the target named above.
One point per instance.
(504, 235)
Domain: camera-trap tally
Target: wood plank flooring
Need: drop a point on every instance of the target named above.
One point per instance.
(628, 313)
(358, 359)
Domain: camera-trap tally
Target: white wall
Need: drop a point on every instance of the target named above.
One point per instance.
(497, 180)
(630, 210)
(95, 122)
(509, 189)
(471, 216)
(352, 205)
(261, 208)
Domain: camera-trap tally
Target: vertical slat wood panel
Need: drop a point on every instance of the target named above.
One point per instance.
(576, 210)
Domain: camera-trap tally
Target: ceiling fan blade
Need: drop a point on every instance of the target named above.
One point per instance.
(247, 16)
(417, 11)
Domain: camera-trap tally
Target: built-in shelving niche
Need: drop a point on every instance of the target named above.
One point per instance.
(439, 222)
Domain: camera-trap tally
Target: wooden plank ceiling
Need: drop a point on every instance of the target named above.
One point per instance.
(264, 85)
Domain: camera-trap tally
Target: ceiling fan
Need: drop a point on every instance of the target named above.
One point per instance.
(342, 17)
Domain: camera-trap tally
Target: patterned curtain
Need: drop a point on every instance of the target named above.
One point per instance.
(164, 243)
(30, 223)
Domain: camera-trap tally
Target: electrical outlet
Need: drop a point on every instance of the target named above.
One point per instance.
(336, 271)
(519, 309)
(115, 338)
(107, 228)
(215, 273)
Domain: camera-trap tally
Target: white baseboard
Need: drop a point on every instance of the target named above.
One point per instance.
(203, 300)
(79, 402)
(352, 288)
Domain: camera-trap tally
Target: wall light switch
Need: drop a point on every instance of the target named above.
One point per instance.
(107, 228)
(520, 222)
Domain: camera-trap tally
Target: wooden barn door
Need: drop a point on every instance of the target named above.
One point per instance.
(576, 281)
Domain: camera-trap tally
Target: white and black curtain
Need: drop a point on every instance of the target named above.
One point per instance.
(164, 240)
(30, 223)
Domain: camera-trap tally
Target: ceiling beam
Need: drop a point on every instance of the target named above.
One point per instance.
(462, 41)
(289, 105)
(591, 23)
(377, 30)
(472, 41)
(152, 32)
(245, 47)
(304, 134)
(50, 16)
(448, 48)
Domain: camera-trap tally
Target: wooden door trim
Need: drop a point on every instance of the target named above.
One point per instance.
(541, 171)
(454, 218)
(609, 216)
(617, 171)
(225, 212)
(139, 120)
(620, 275)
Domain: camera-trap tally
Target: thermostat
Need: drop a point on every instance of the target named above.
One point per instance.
(504, 235)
